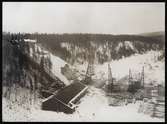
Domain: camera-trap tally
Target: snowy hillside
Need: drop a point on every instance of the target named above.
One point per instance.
(56, 68)
(154, 69)
(57, 63)
(94, 106)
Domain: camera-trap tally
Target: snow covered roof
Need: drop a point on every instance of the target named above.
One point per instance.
(30, 40)
(64, 100)
(68, 93)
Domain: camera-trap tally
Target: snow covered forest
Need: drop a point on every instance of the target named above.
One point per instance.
(36, 62)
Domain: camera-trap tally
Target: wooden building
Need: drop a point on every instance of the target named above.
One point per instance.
(65, 99)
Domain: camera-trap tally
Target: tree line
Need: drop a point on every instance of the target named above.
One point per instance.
(52, 42)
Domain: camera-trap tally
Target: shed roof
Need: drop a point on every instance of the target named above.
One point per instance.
(68, 93)
(30, 40)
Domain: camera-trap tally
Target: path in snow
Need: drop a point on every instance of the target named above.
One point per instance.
(93, 107)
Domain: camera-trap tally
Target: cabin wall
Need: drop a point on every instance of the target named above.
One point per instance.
(55, 105)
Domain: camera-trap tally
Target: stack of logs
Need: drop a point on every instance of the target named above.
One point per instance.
(154, 108)
(159, 109)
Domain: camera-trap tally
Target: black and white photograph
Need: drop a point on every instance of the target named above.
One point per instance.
(83, 61)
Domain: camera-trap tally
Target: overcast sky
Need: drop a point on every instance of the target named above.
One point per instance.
(110, 18)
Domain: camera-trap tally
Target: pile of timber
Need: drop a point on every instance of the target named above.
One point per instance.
(119, 99)
(149, 107)
(159, 109)
(116, 100)
(153, 107)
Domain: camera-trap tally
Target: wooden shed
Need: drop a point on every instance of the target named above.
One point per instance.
(65, 100)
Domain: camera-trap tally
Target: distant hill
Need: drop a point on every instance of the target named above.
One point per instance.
(79, 47)
(158, 33)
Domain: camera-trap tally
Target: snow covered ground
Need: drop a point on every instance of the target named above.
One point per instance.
(94, 107)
